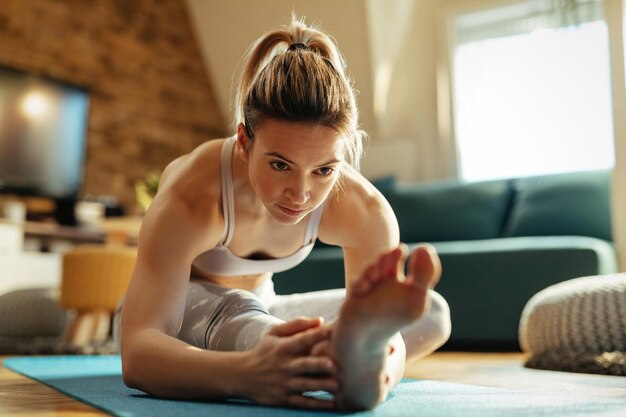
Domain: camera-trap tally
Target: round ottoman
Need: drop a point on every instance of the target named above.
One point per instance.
(577, 325)
(29, 317)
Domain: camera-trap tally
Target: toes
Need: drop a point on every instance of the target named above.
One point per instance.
(390, 263)
(360, 287)
(383, 266)
(372, 273)
(400, 254)
(424, 267)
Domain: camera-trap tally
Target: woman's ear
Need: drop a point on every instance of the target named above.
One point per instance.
(243, 142)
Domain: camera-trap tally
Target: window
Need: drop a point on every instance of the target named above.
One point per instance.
(532, 90)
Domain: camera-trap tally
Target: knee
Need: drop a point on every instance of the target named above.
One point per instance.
(235, 302)
(207, 313)
(228, 328)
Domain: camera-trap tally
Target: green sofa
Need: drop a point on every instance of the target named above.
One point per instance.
(500, 242)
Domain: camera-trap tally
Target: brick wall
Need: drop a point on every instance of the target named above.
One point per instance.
(150, 96)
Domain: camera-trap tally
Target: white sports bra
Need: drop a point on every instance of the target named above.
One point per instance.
(221, 261)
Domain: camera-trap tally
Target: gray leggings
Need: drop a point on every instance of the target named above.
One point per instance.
(218, 318)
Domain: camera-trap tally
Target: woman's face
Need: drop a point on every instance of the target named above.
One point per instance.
(292, 166)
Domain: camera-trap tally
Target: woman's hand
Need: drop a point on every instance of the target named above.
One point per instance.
(281, 368)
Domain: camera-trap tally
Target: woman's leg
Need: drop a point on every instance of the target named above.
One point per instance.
(218, 318)
(324, 304)
(431, 331)
(422, 337)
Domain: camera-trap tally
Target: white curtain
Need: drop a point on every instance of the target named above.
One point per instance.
(403, 59)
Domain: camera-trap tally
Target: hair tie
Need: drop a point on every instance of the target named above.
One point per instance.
(296, 46)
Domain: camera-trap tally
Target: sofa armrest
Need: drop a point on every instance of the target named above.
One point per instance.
(488, 282)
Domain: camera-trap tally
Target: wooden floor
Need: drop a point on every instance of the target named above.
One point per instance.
(506, 370)
(22, 397)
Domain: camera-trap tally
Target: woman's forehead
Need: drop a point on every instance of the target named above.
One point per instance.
(300, 139)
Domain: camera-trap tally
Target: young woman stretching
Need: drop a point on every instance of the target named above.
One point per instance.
(200, 319)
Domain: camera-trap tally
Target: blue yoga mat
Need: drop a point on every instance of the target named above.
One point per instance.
(96, 380)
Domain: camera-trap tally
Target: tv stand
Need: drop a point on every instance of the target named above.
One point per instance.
(64, 212)
(119, 230)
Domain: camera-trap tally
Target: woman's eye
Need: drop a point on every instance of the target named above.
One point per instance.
(279, 165)
(325, 171)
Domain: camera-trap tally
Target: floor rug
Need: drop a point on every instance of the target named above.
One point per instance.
(96, 380)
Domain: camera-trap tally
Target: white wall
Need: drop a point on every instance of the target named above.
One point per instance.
(616, 18)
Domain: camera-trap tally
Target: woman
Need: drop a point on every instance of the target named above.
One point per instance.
(200, 319)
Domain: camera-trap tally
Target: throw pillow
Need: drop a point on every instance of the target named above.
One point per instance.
(446, 211)
(562, 204)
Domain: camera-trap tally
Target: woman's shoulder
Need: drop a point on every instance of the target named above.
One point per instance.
(354, 203)
(194, 178)
(355, 192)
(185, 217)
(202, 165)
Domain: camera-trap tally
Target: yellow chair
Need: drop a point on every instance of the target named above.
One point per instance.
(94, 279)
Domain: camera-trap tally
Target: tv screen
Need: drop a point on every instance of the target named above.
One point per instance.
(42, 135)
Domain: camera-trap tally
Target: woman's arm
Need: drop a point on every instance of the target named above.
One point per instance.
(359, 220)
(173, 232)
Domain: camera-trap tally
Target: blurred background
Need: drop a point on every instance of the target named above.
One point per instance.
(96, 97)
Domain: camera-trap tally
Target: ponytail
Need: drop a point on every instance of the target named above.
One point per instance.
(297, 74)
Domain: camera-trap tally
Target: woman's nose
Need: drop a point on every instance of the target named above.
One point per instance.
(298, 192)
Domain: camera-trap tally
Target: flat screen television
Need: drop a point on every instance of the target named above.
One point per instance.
(43, 125)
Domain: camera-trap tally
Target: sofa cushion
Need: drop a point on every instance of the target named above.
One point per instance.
(564, 204)
(450, 210)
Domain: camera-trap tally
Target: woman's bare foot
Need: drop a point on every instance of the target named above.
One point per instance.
(377, 306)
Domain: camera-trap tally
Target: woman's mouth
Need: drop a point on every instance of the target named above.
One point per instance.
(291, 212)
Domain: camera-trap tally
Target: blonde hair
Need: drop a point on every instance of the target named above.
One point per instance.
(297, 74)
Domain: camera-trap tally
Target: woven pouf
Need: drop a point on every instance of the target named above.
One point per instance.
(577, 325)
(29, 315)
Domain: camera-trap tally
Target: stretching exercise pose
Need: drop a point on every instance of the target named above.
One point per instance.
(200, 319)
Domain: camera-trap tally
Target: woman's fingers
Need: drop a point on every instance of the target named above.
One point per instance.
(313, 365)
(302, 343)
(285, 368)
(296, 326)
(322, 348)
(303, 384)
